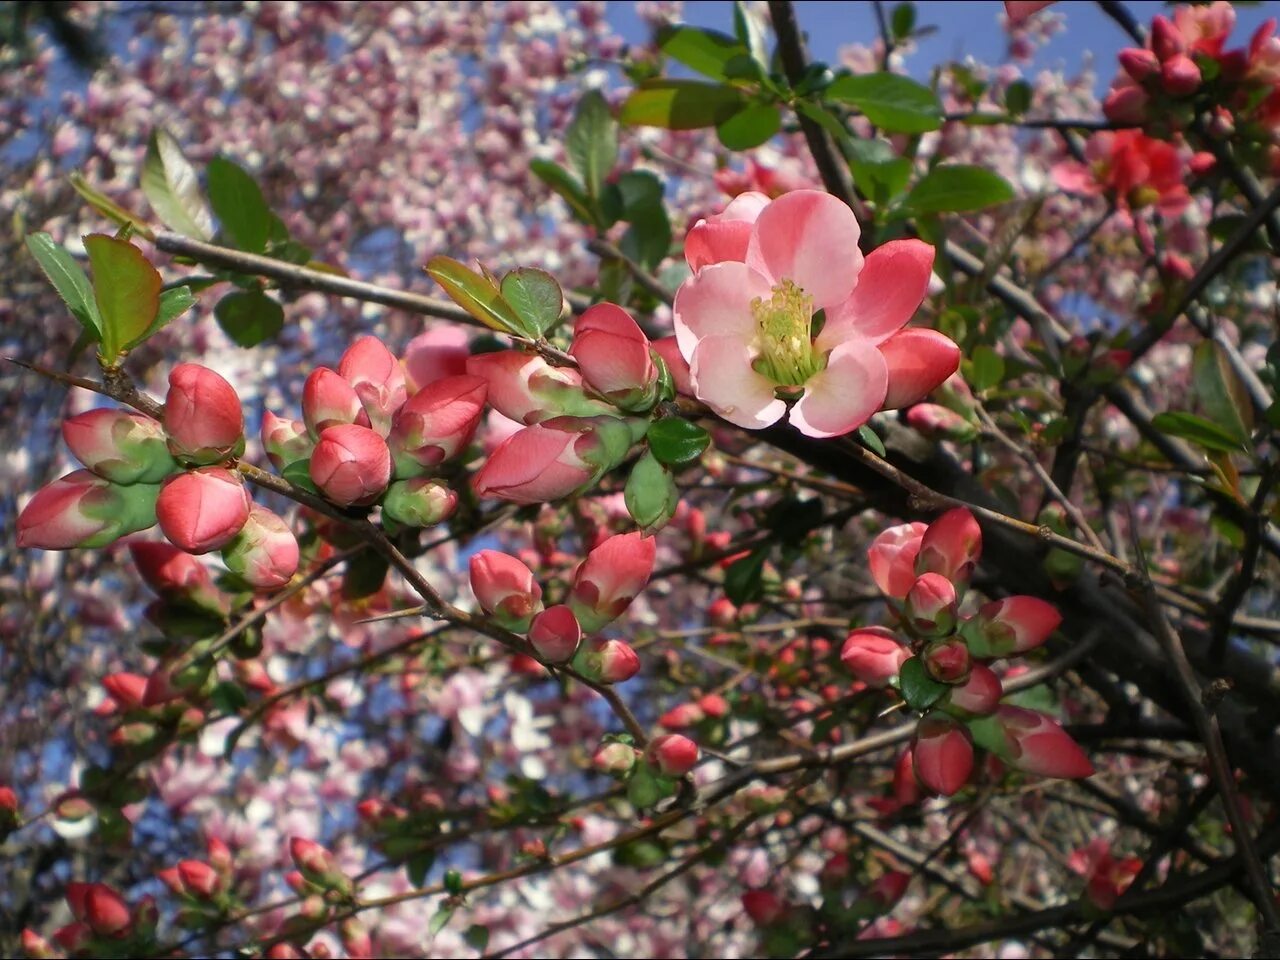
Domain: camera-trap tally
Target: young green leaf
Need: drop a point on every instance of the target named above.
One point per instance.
(477, 937)
(238, 203)
(109, 208)
(706, 51)
(171, 186)
(173, 303)
(676, 442)
(535, 296)
(985, 368)
(439, 920)
(69, 280)
(126, 288)
(958, 188)
(249, 317)
(478, 295)
(563, 182)
(743, 580)
(919, 689)
(751, 126)
(1198, 430)
(1222, 396)
(680, 104)
(592, 141)
(892, 102)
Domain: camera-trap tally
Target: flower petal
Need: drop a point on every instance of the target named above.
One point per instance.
(890, 288)
(918, 360)
(724, 236)
(811, 238)
(725, 380)
(717, 303)
(844, 396)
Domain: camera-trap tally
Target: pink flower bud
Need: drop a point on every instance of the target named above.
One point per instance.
(440, 352)
(947, 660)
(682, 716)
(524, 387)
(1029, 741)
(84, 510)
(892, 558)
(264, 554)
(714, 706)
(1126, 104)
(1139, 63)
(673, 754)
(951, 546)
(874, 655)
(615, 759)
(610, 578)
(607, 661)
(355, 939)
(668, 348)
(8, 800)
(37, 947)
(328, 400)
(1180, 76)
(613, 357)
(930, 607)
(97, 905)
(1201, 162)
(506, 589)
(120, 446)
(126, 689)
(919, 360)
(170, 877)
(941, 423)
(219, 855)
(978, 696)
(420, 502)
(351, 465)
(537, 465)
(436, 424)
(377, 378)
(906, 788)
(763, 907)
(942, 753)
(202, 510)
(1009, 626)
(286, 441)
(318, 865)
(887, 889)
(555, 634)
(199, 879)
(1166, 40)
(202, 416)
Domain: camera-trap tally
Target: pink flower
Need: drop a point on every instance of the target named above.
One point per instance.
(1009, 626)
(351, 465)
(874, 655)
(919, 360)
(745, 320)
(506, 589)
(1107, 878)
(725, 235)
(440, 352)
(202, 510)
(1137, 170)
(942, 753)
(610, 578)
(674, 755)
(328, 400)
(119, 445)
(264, 553)
(951, 546)
(555, 633)
(202, 416)
(527, 389)
(1029, 741)
(436, 424)
(84, 510)
(1019, 10)
(892, 558)
(285, 441)
(613, 357)
(933, 420)
(377, 378)
(1203, 28)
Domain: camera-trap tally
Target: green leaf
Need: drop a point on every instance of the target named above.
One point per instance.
(453, 881)
(563, 182)
(751, 126)
(680, 104)
(477, 937)
(173, 190)
(1221, 394)
(365, 575)
(871, 440)
(903, 20)
(639, 200)
(439, 920)
(985, 368)
(892, 102)
(298, 473)
(958, 188)
(173, 303)
(706, 51)
(1017, 97)
(919, 689)
(229, 697)
(535, 296)
(742, 580)
(69, 279)
(238, 203)
(109, 208)
(877, 169)
(592, 141)
(1198, 430)
(476, 294)
(126, 288)
(249, 317)
(676, 442)
(750, 33)
(418, 867)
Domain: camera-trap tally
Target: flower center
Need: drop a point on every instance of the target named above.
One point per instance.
(783, 342)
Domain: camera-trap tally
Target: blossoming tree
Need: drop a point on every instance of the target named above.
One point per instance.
(801, 510)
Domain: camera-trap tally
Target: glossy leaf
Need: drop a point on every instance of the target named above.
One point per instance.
(919, 689)
(475, 293)
(173, 303)
(126, 288)
(958, 188)
(742, 581)
(249, 317)
(750, 127)
(566, 185)
(1198, 430)
(890, 101)
(705, 51)
(591, 141)
(69, 279)
(173, 190)
(535, 296)
(680, 104)
(237, 201)
(676, 442)
(1222, 396)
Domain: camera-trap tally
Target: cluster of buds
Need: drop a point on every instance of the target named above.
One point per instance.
(652, 774)
(104, 925)
(940, 660)
(1186, 56)
(604, 585)
(318, 871)
(366, 438)
(202, 886)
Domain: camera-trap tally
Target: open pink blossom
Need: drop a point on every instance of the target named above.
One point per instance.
(796, 313)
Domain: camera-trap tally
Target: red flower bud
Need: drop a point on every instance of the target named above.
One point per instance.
(607, 661)
(419, 502)
(947, 660)
(615, 759)
(377, 378)
(874, 655)
(682, 716)
(199, 878)
(506, 589)
(673, 755)
(613, 357)
(763, 907)
(202, 510)
(978, 696)
(286, 441)
(126, 689)
(440, 352)
(437, 424)
(1027, 740)
(610, 578)
(351, 465)
(97, 905)
(942, 754)
(1139, 63)
(1009, 626)
(1166, 39)
(84, 510)
(202, 416)
(1180, 76)
(887, 889)
(328, 400)
(930, 607)
(264, 553)
(892, 558)
(120, 446)
(318, 865)
(555, 633)
(951, 546)
(919, 360)
(527, 389)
